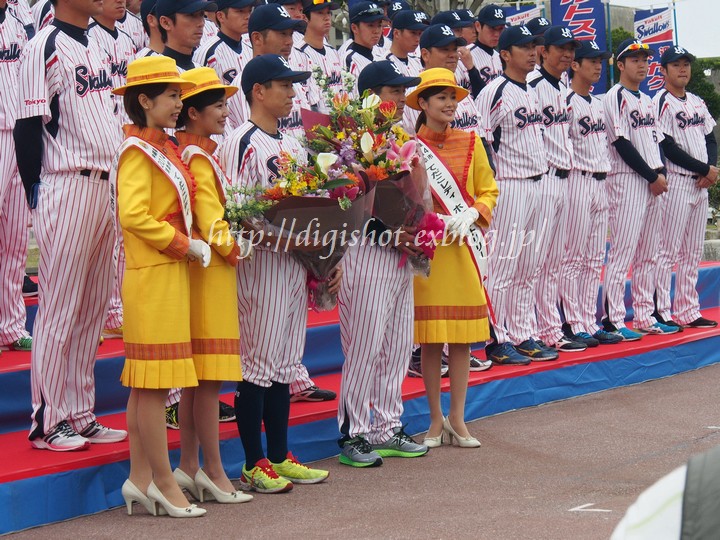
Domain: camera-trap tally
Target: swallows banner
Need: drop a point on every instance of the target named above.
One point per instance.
(655, 28)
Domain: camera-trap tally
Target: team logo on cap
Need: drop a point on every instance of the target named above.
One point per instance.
(447, 31)
(542, 21)
(457, 17)
(283, 12)
(397, 6)
(594, 45)
(469, 13)
(373, 6)
(524, 30)
(420, 17)
(566, 33)
(680, 50)
(499, 14)
(284, 62)
(395, 68)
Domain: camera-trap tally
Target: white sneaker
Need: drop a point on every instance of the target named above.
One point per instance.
(62, 438)
(97, 433)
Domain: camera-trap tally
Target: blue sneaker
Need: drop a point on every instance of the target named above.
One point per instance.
(659, 329)
(505, 353)
(628, 335)
(536, 351)
(587, 339)
(607, 338)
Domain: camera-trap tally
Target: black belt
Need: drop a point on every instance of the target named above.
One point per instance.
(595, 175)
(104, 175)
(693, 176)
(535, 178)
(561, 173)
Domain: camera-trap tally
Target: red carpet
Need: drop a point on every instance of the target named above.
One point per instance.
(21, 461)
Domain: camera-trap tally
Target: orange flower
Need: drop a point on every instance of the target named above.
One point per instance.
(388, 109)
(376, 173)
(352, 177)
(274, 193)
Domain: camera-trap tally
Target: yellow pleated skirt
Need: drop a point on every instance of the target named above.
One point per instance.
(156, 327)
(214, 324)
(450, 305)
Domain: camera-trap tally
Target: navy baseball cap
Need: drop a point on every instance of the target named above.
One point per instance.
(672, 54)
(225, 4)
(165, 8)
(517, 35)
(633, 47)
(559, 36)
(466, 15)
(538, 25)
(451, 18)
(410, 20)
(146, 8)
(269, 67)
(590, 49)
(366, 12)
(383, 73)
(439, 35)
(318, 5)
(492, 15)
(271, 17)
(396, 7)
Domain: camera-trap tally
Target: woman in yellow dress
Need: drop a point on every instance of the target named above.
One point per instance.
(450, 305)
(214, 322)
(155, 193)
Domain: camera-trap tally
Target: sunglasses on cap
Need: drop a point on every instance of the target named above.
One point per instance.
(364, 12)
(635, 47)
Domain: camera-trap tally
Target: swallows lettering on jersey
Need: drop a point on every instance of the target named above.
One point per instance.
(641, 121)
(334, 79)
(10, 54)
(487, 74)
(684, 121)
(526, 118)
(293, 121)
(119, 68)
(552, 117)
(465, 121)
(87, 82)
(272, 166)
(587, 126)
(229, 75)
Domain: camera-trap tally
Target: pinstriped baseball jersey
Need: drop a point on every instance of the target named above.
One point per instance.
(145, 51)
(357, 58)
(210, 31)
(410, 67)
(21, 10)
(487, 60)
(226, 56)
(13, 40)
(512, 124)
(632, 116)
(119, 45)
(587, 131)
(552, 95)
(43, 14)
(249, 155)
(132, 26)
(66, 80)
(329, 61)
(687, 121)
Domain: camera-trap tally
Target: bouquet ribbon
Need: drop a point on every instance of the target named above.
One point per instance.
(430, 227)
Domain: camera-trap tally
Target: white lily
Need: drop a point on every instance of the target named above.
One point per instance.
(366, 144)
(326, 160)
(370, 101)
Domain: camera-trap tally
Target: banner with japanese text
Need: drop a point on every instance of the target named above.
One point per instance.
(586, 19)
(655, 28)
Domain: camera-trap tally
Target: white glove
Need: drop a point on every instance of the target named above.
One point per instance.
(460, 224)
(247, 250)
(199, 251)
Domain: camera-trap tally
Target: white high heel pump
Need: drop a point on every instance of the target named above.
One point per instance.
(157, 498)
(203, 483)
(187, 483)
(463, 442)
(131, 494)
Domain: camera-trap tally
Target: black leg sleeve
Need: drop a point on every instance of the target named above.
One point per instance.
(249, 402)
(276, 416)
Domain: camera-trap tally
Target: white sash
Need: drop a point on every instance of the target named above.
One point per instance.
(445, 188)
(166, 166)
(192, 151)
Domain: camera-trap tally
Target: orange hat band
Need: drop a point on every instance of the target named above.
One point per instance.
(199, 87)
(447, 82)
(149, 76)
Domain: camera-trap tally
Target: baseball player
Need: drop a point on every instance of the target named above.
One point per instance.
(14, 215)
(366, 24)
(407, 27)
(558, 52)
(21, 10)
(314, 44)
(295, 10)
(691, 151)
(489, 25)
(512, 121)
(181, 28)
(131, 24)
(538, 26)
(43, 13)
(65, 139)
(635, 188)
(121, 49)
(210, 28)
(272, 289)
(225, 53)
(587, 206)
(151, 26)
(376, 316)
(468, 33)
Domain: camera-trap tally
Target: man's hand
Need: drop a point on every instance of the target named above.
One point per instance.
(334, 283)
(659, 186)
(405, 241)
(466, 57)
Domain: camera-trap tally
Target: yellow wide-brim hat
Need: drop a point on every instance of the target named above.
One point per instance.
(435, 77)
(204, 79)
(153, 70)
